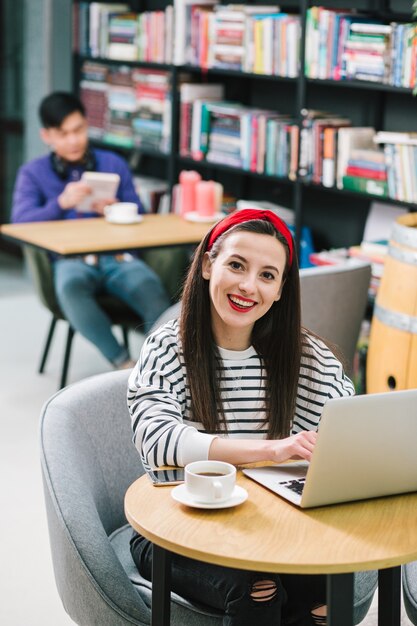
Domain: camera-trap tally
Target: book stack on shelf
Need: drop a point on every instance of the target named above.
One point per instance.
(367, 53)
(192, 97)
(281, 151)
(155, 36)
(93, 93)
(404, 52)
(191, 31)
(256, 39)
(343, 45)
(121, 107)
(366, 170)
(226, 44)
(113, 31)
(272, 44)
(122, 36)
(127, 106)
(223, 143)
(349, 139)
(318, 160)
(152, 119)
(400, 151)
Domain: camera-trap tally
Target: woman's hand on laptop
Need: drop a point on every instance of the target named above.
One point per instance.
(241, 451)
(299, 446)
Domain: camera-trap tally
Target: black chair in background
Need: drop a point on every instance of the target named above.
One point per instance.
(40, 269)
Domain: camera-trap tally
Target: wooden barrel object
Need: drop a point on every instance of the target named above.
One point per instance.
(392, 352)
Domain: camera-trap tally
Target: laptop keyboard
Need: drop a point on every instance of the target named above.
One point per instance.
(294, 485)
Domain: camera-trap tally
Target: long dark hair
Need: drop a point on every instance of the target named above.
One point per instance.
(276, 337)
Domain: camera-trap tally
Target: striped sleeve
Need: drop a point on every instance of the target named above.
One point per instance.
(321, 377)
(156, 401)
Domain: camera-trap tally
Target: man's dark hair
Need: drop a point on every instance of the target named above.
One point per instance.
(57, 106)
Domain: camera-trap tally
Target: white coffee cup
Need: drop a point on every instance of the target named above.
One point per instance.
(121, 212)
(210, 481)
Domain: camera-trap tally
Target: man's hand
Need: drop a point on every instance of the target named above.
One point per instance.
(98, 205)
(73, 194)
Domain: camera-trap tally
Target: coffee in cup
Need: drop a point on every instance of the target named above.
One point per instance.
(210, 482)
(122, 212)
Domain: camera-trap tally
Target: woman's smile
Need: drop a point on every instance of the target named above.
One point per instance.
(241, 304)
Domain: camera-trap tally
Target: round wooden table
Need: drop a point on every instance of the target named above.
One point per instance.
(268, 534)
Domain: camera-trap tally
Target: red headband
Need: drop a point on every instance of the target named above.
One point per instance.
(245, 215)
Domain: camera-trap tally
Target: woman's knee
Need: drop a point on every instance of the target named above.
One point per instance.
(265, 590)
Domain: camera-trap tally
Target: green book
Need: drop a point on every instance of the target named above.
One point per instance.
(205, 127)
(366, 185)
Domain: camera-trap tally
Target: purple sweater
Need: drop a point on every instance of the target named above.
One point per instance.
(35, 197)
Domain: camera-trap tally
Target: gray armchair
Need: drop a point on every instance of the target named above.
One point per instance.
(409, 573)
(88, 462)
(333, 304)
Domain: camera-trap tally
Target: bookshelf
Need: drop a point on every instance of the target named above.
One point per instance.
(336, 216)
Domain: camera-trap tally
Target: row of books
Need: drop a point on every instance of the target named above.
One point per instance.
(113, 31)
(335, 153)
(344, 45)
(253, 39)
(131, 107)
(340, 45)
(257, 39)
(127, 106)
(332, 151)
(230, 133)
(400, 150)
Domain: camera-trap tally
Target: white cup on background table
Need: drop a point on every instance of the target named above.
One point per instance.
(121, 212)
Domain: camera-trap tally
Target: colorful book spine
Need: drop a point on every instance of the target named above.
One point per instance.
(366, 172)
(366, 185)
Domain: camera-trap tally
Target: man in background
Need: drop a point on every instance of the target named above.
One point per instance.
(49, 188)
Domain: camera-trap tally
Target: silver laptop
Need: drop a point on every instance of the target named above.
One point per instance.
(366, 447)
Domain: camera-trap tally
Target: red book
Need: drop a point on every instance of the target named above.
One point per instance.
(185, 128)
(254, 143)
(151, 92)
(363, 172)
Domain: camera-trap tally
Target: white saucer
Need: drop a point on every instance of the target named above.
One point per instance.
(180, 494)
(193, 216)
(134, 220)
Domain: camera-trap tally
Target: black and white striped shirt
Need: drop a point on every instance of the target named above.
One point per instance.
(159, 402)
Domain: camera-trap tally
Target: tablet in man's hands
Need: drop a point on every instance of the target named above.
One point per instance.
(103, 185)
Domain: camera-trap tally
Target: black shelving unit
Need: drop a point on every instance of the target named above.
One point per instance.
(336, 217)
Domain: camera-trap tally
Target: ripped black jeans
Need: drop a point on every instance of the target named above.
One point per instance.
(247, 598)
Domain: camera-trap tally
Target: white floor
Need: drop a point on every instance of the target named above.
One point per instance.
(28, 596)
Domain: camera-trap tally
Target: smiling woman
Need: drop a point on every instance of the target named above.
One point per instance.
(237, 379)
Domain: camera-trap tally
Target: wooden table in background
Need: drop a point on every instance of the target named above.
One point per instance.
(95, 235)
(268, 534)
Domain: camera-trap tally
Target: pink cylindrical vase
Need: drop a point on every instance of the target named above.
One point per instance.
(206, 198)
(188, 181)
